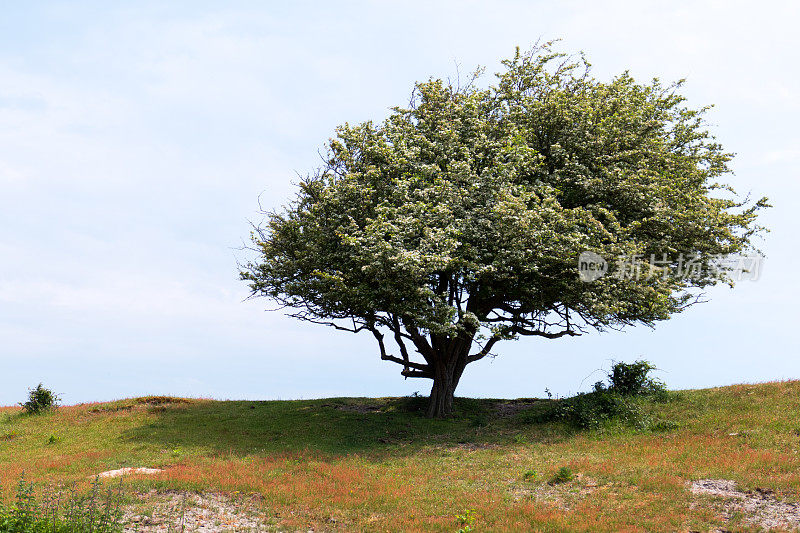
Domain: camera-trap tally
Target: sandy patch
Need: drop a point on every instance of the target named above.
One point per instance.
(129, 471)
(760, 507)
(195, 512)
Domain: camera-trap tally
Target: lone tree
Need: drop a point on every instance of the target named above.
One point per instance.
(458, 221)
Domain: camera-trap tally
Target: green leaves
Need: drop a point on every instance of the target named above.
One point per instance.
(466, 211)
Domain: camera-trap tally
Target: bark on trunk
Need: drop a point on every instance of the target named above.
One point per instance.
(440, 404)
(445, 380)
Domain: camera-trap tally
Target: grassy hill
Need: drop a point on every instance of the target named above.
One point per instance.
(376, 464)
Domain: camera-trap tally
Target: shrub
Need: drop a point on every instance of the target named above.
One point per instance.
(531, 475)
(40, 400)
(630, 379)
(563, 475)
(592, 410)
(606, 404)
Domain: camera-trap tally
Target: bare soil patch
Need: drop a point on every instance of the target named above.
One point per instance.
(129, 471)
(561, 495)
(760, 507)
(196, 512)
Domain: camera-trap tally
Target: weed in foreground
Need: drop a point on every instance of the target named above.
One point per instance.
(466, 521)
(66, 511)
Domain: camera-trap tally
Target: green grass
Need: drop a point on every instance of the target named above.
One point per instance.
(376, 464)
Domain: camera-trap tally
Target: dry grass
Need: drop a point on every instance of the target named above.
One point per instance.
(378, 465)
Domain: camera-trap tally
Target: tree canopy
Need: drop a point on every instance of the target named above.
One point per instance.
(458, 221)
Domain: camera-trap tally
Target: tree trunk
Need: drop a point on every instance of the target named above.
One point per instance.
(445, 380)
(440, 404)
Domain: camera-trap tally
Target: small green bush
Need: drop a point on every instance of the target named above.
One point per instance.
(564, 475)
(40, 400)
(592, 410)
(531, 475)
(630, 379)
(618, 402)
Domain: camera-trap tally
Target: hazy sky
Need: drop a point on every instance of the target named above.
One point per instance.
(136, 138)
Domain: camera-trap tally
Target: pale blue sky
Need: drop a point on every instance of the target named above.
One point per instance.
(135, 139)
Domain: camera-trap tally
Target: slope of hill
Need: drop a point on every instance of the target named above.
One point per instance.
(378, 465)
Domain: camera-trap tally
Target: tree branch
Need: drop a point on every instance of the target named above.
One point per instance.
(416, 374)
(387, 357)
(545, 334)
(485, 351)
